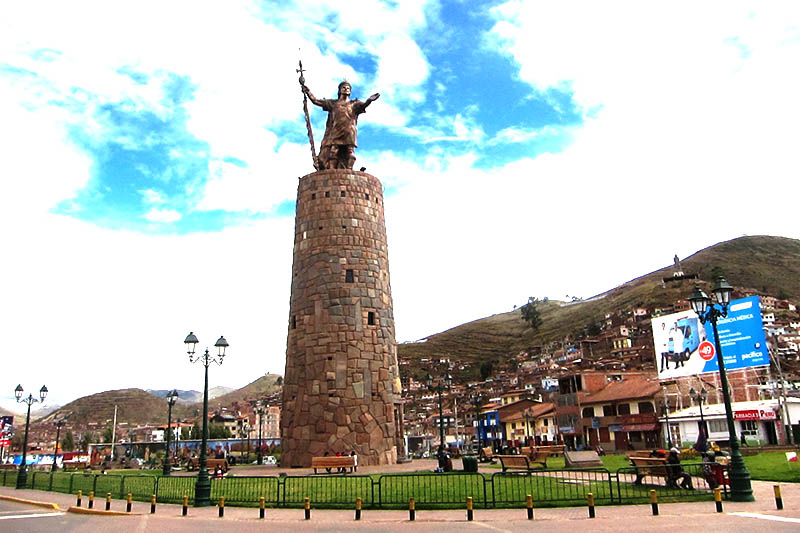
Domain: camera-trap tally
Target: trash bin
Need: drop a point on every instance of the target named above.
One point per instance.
(470, 463)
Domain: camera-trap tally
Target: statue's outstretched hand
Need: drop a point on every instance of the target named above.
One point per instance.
(374, 97)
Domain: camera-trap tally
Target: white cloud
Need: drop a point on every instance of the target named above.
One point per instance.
(162, 215)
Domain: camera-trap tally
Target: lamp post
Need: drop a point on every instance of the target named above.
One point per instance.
(700, 398)
(260, 410)
(172, 397)
(665, 410)
(476, 401)
(59, 424)
(741, 489)
(439, 386)
(202, 488)
(245, 433)
(527, 416)
(22, 476)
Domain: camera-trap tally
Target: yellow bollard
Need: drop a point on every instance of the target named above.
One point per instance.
(80, 496)
(412, 512)
(129, 503)
(718, 499)
(153, 504)
(654, 502)
(529, 505)
(470, 515)
(590, 501)
(221, 506)
(778, 500)
(307, 508)
(185, 509)
(91, 499)
(108, 501)
(358, 508)
(261, 507)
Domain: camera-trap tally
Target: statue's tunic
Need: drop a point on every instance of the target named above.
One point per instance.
(342, 119)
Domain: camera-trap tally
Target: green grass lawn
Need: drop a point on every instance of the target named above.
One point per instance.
(772, 466)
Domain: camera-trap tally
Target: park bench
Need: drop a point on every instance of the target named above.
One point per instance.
(487, 455)
(211, 464)
(554, 449)
(8, 467)
(523, 462)
(331, 462)
(639, 453)
(650, 466)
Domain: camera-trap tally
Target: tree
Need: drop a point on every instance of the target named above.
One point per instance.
(108, 434)
(68, 442)
(486, 369)
(87, 439)
(530, 313)
(716, 272)
(218, 431)
(197, 431)
(186, 433)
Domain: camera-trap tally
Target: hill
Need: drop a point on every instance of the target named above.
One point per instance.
(134, 406)
(770, 265)
(266, 385)
(191, 396)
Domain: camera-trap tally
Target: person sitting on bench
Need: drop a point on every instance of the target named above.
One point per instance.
(676, 471)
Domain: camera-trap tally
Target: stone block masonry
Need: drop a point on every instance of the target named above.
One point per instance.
(341, 389)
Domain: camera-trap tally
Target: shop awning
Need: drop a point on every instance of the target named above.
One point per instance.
(640, 427)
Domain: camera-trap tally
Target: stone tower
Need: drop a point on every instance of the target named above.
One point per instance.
(341, 389)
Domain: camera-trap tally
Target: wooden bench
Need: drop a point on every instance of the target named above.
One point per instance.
(487, 455)
(514, 462)
(650, 466)
(211, 464)
(554, 449)
(330, 462)
(8, 467)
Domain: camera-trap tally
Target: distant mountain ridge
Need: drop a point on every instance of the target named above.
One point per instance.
(192, 396)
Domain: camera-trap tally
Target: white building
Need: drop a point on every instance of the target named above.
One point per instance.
(760, 421)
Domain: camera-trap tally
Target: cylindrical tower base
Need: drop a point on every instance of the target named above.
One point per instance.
(341, 389)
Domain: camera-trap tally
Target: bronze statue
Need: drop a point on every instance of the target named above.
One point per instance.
(339, 143)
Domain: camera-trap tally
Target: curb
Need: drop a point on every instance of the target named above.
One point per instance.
(46, 505)
(81, 510)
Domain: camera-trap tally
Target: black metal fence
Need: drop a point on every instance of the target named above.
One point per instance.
(500, 489)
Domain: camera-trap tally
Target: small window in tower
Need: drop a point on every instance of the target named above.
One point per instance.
(344, 227)
(371, 318)
(320, 228)
(343, 194)
(327, 194)
(294, 322)
(348, 276)
(366, 196)
(313, 196)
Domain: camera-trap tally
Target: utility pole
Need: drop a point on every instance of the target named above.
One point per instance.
(113, 433)
(782, 399)
(455, 416)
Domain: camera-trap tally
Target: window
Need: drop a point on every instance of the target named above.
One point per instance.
(366, 196)
(343, 194)
(327, 194)
(750, 427)
(588, 412)
(313, 196)
(609, 410)
(646, 407)
(624, 409)
(294, 322)
(717, 426)
(348, 276)
(545, 422)
(371, 318)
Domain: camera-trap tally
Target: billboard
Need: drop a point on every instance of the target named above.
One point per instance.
(684, 346)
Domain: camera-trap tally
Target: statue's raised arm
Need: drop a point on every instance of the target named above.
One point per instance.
(341, 129)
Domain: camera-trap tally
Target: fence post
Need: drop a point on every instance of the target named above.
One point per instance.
(358, 508)
(470, 515)
(718, 499)
(654, 502)
(71, 476)
(94, 483)
(778, 500)
(529, 505)
(51, 480)
(590, 501)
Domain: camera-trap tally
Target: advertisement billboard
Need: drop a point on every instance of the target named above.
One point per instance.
(684, 346)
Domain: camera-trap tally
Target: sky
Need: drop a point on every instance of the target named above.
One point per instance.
(150, 151)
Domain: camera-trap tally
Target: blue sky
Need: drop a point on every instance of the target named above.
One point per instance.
(152, 153)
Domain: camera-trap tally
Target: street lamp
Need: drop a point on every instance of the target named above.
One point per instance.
(527, 416)
(202, 488)
(700, 398)
(59, 424)
(665, 411)
(440, 385)
(244, 432)
(172, 397)
(741, 489)
(476, 400)
(260, 410)
(22, 476)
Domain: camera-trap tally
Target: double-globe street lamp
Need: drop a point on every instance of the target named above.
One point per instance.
(439, 386)
(172, 397)
(700, 398)
(22, 476)
(59, 424)
(258, 407)
(202, 487)
(741, 490)
(476, 400)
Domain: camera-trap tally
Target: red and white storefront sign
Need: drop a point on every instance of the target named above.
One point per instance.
(755, 414)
